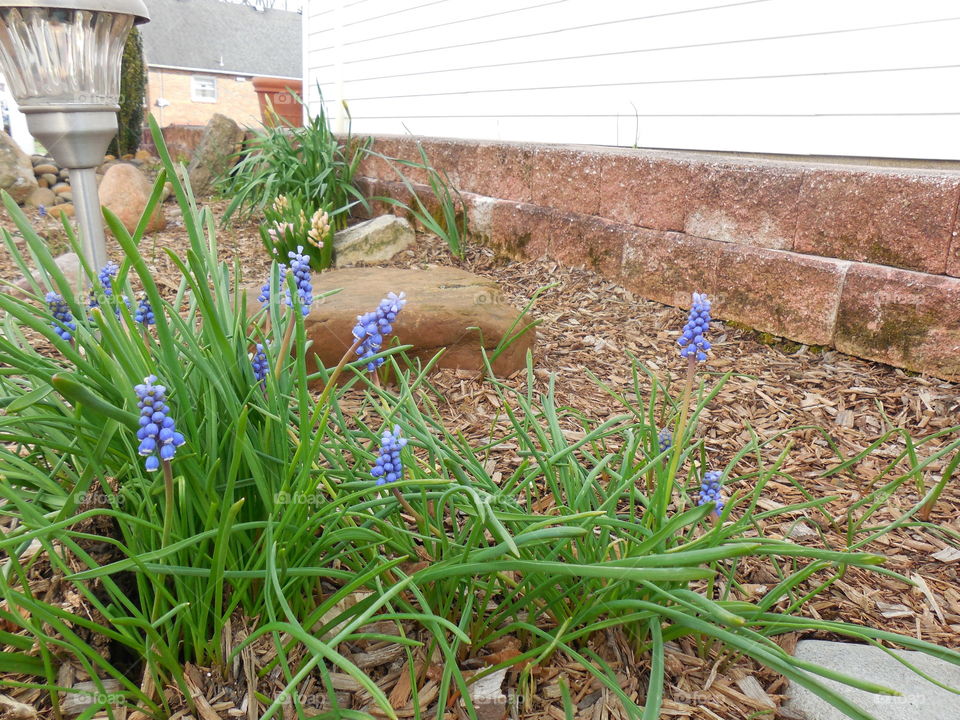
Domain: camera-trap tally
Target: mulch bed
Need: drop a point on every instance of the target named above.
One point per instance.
(587, 326)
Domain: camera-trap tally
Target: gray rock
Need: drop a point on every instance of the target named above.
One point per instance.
(920, 700)
(222, 139)
(69, 265)
(373, 241)
(16, 170)
(41, 196)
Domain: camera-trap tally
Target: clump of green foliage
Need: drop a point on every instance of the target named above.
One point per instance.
(133, 85)
(309, 164)
(311, 167)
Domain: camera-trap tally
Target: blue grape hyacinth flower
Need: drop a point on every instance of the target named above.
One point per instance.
(388, 466)
(144, 313)
(64, 324)
(664, 440)
(710, 491)
(260, 364)
(372, 326)
(105, 277)
(267, 290)
(300, 266)
(693, 341)
(158, 434)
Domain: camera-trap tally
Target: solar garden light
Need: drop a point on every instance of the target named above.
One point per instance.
(62, 60)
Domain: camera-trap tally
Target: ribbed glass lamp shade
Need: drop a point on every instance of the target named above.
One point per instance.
(62, 57)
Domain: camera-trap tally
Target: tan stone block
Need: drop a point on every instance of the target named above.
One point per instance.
(375, 166)
(568, 180)
(524, 232)
(785, 293)
(646, 190)
(453, 158)
(502, 171)
(745, 202)
(591, 242)
(668, 266)
(896, 218)
(953, 257)
(908, 319)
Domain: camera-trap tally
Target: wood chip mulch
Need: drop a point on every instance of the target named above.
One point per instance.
(587, 325)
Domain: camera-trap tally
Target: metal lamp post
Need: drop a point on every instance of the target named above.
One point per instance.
(62, 60)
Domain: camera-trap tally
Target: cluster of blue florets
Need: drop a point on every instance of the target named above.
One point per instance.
(300, 266)
(710, 490)
(158, 435)
(388, 466)
(372, 326)
(63, 319)
(144, 313)
(260, 364)
(693, 341)
(105, 277)
(267, 290)
(664, 440)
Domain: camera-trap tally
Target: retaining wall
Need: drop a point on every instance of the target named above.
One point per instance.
(862, 258)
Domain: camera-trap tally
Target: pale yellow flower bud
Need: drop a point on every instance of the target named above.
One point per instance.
(319, 228)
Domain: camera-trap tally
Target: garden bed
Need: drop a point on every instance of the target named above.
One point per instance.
(588, 325)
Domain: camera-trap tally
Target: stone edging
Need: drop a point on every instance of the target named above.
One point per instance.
(864, 259)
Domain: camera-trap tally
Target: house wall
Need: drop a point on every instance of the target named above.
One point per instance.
(235, 98)
(854, 78)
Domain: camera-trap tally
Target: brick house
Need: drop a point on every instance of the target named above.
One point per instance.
(202, 56)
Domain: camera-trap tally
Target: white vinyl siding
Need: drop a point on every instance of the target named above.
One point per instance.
(824, 77)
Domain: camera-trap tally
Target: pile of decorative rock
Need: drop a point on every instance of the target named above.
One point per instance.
(53, 182)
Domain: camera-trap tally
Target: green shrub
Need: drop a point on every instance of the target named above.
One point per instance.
(269, 508)
(307, 163)
(312, 167)
(133, 86)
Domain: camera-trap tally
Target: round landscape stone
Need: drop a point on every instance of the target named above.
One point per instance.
(447, 309)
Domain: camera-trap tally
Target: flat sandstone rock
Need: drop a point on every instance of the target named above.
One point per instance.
(373, 241)
(445, 307)
(919, 699)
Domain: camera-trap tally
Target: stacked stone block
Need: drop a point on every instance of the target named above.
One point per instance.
(864, 259)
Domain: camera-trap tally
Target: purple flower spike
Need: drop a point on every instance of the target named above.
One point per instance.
(372, 326)
(144, 314)
(267, 290)
(158, 435)
(664, 440)
(693, 342)
(63, 322)
(260, 364)
(300, 265)
(388, 466)
(710, 491)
